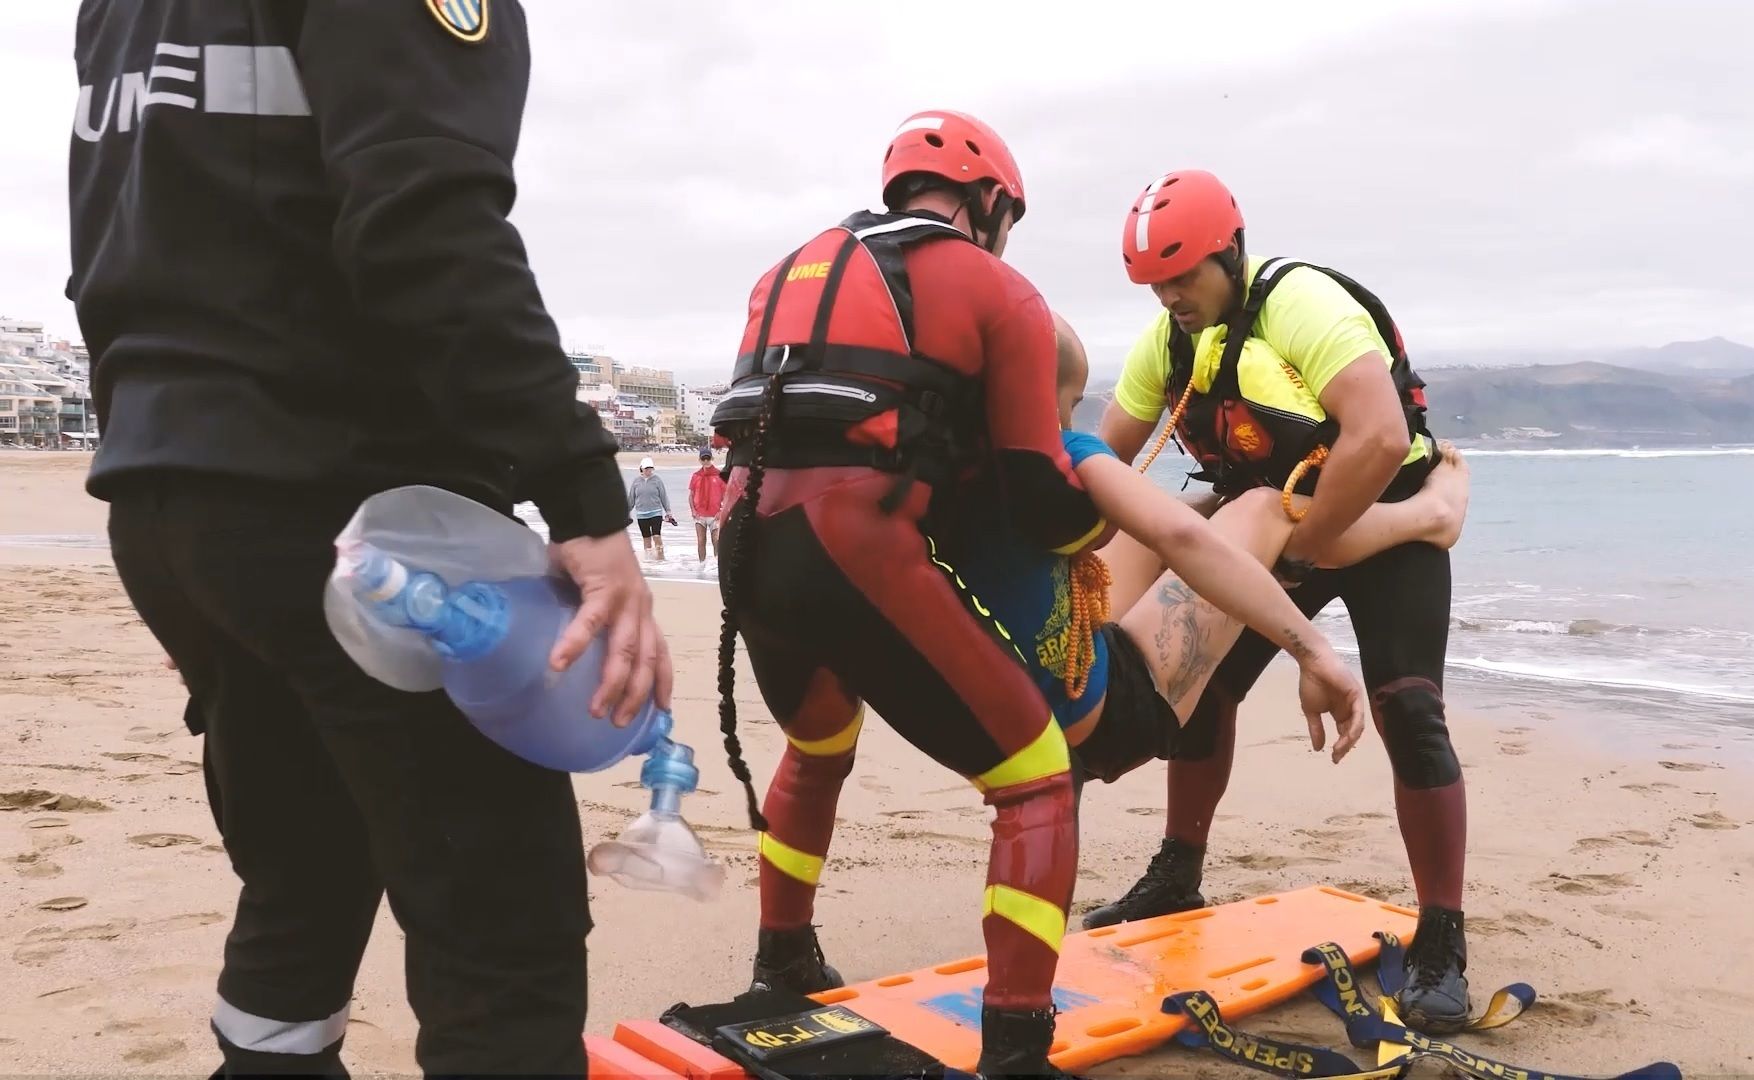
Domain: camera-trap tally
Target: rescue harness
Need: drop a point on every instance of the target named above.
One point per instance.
(854, 389)
(1241, 444)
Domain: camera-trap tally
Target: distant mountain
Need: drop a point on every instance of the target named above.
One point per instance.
(1580, 404)
(1590, 404)
(1717, 356)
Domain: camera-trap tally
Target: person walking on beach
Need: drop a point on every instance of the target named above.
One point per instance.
(1270, 367)
(706, 495)
(293, 267)
(650, 503)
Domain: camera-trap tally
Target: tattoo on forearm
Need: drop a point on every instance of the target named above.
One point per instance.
(1184, 648)
(1299, 649)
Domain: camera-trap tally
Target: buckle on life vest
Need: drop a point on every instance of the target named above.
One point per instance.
(1397, 1046)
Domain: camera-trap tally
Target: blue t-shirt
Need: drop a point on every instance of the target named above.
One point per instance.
(1029, 591)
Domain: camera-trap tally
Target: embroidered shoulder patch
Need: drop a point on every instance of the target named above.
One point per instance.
(465, 20)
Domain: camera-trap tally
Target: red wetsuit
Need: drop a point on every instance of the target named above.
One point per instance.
(841, 603)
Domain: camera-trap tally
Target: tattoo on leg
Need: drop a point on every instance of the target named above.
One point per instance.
(1183, 645)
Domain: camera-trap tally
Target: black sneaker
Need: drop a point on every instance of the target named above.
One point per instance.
(1171, 884)
(792, 960)
(1435, 997)
(1015, 1044)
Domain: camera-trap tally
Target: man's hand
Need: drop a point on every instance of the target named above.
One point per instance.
(1363, 461)
(1325, 686)
(636, 659)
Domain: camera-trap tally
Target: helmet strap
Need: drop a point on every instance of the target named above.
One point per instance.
(984, 222)
(1235, 263)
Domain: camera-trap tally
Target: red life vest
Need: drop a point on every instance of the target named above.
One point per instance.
(1240, 443)
(834, 349)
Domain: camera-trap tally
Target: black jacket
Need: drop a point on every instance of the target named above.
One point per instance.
(292, 261)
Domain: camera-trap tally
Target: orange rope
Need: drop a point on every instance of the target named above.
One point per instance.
(1089, 583)
(1175, 418)
(1314, 460)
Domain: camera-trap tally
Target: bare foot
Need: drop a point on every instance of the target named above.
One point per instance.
(1448, 487)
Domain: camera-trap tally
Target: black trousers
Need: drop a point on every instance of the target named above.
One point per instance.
(331, 789)
(1399, 604)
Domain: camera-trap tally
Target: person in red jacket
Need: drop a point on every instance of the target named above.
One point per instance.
(706, 494)
(882, 362)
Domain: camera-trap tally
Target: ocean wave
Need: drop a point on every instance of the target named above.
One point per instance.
(1711, 451)
(1555, 674)
(1568, 676)
(93, 541)
(1594, 628)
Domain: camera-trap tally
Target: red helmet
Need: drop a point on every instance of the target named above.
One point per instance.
(1179, 219)
(955, 146)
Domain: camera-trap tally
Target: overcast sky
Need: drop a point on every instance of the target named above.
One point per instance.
(1505, 173)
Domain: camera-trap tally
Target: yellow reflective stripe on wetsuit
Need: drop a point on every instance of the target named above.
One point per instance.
(1043, 918)
(838, 743)
(789, 860)
(1044, 757)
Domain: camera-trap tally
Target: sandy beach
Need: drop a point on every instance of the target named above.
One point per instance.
(629, 460)
(1611, 872)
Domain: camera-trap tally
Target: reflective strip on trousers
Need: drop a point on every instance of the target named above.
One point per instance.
(246, 1031)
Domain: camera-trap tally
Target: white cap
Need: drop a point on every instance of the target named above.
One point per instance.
(646, 463)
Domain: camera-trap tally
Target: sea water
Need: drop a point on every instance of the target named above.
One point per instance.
(1597, 578)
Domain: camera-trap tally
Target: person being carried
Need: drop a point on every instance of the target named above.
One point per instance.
(1292, 377)
(650, 503)
(706, 496)
(1119, 687)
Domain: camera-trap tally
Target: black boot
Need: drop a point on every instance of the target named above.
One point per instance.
(792, 960)
(1014, 1045)
(1435, 997)
(1171, 883)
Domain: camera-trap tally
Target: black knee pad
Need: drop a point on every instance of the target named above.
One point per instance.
(1409, 714)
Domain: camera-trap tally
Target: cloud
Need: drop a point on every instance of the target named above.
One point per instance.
(1668, 143)
(1505, 173)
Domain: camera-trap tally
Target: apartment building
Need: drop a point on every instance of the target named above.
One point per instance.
(650, 385)
(698, 403)
(45, 399)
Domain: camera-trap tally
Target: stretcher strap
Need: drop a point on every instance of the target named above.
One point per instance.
(1340, 991)
(1207, 1030)
(1368, 1024)
(1506, 1005)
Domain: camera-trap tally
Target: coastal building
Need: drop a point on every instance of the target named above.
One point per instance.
(698, 403)
(650, 385)
(593, 364)
(29, 415)
(45, 392)
(22, 336)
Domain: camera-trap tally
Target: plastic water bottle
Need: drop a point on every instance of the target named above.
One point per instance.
(495, 638)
